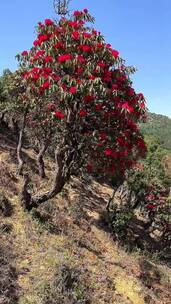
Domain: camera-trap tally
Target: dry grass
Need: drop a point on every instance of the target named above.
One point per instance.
(113, 276)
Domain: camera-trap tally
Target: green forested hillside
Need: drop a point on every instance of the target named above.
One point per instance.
(158, 126)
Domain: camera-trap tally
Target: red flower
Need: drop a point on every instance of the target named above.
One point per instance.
(77, 13)
(56, 77)
(92, 77)
(58, 45)
(73, 24)
(94, 32)
(100, 45)
(46, 85)
(80, 71)
(102, 136)
(64, 58)
(36, 42)
(73, 90)
(48, 22)
(86, 35)
(36, 76)
(108, 152)
(81, 22)
(89, 98)
(114, 155)
(89, 168)
(141, 96)
(59, 115)
(108, 46)
(39, 53)
(85, 48)
(36, 70)
(24, 53)
(151, 206)
(47, 70)
(85, 10)
(76, 35)
(47, 59)
(42, 38)
(115, 54)
(130, 92)
(81, 58)
(83, 113)
(142, 105)
(115, 87)
(127, 107)
(121, 141)
(101, 64)
(26, 75)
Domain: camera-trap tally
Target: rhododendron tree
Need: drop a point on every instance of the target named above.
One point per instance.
(71, 71)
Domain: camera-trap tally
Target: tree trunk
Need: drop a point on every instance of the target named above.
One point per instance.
(60, 178)
(40, 160)
(15, 127)
(25, 195)
(20, 144)
(110, 200)
(3, 123)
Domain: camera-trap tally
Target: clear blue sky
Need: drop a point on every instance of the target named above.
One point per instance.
(140, 30)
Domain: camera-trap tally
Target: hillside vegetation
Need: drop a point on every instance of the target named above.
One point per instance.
(158, 126)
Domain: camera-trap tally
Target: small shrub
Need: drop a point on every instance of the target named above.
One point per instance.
(121, 221)
(118, 221)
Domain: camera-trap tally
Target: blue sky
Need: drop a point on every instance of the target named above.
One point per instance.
(139, 30)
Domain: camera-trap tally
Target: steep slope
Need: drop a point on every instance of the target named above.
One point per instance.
(158, 126)
(62, 253)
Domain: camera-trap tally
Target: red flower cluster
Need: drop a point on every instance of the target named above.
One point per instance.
(64, 58)
(48, 22)
(59, 115)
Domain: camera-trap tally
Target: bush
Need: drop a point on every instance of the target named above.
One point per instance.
(118, 220)
(121, 220)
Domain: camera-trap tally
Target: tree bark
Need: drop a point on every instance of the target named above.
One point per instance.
(60, 178)
(20, 143)
(25, 195)
(111, 199)
(40, 160)
(15, 127)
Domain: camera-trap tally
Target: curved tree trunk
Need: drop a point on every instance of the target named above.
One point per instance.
(60, 178)
(20, 143)
(40, 160)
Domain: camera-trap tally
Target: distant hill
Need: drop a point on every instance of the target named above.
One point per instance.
(158, 126)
